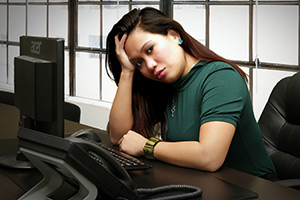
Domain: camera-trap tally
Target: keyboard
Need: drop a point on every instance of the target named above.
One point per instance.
(128, 162)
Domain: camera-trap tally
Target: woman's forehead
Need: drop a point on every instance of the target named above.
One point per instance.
(137, 39)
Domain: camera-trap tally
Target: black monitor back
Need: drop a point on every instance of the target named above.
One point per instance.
(39, 84)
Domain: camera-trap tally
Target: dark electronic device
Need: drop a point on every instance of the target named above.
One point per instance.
(38, 90)
(126, 161)
(88, 133)
(92, 169)
(39, 84)
(88, 167)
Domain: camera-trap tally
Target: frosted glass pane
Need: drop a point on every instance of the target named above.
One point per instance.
(246, 70)
(189, 0)
(277, 0)
(59, 0)
(87, 75)
(3, 22)
(58, 22)
(13, 51)
(89, 26)
(232, 0)
(229, 31)
(37, 0)
(109, 87)
(264, 82)
(3, 69)
(143, 6)
(36, 20)
(17, 1)
(278, 34)
(67, 79)
(111, 14)
(185, 14)
(16, 22)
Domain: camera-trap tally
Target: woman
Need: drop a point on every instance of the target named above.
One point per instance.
(168, 82)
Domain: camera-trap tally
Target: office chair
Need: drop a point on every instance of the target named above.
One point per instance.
(280, 127)
(71, 112)
(7, 98)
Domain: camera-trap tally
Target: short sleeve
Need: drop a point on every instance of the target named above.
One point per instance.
(224, 94)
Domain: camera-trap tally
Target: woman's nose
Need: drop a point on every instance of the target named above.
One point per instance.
(151, 64)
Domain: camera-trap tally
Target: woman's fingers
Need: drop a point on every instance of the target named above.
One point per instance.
(121, 54)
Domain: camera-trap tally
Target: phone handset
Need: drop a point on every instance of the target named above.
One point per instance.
(104, 159)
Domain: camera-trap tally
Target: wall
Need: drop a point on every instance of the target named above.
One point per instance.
(93, 113)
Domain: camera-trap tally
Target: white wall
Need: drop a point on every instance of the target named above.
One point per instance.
(93, 113)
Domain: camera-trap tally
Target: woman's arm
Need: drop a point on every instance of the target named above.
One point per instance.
(207, 154)
(121, 117)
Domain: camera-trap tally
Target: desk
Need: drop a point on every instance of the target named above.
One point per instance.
(223, 184)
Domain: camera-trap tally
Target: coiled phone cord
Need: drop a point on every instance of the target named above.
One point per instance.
(191, 192)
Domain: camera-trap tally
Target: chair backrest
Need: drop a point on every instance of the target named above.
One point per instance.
(7, 98)
(71, 112)
(280, 127)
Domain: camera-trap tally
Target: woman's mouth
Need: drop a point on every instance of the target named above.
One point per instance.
(159, 74)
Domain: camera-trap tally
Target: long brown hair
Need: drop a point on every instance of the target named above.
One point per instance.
(150, 97)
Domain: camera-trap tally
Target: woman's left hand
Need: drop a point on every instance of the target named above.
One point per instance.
(132, 143)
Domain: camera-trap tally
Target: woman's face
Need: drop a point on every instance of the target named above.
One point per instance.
(158, 57)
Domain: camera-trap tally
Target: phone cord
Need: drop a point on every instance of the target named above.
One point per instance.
(192, 192)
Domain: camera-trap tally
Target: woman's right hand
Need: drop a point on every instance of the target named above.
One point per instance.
(121, 54)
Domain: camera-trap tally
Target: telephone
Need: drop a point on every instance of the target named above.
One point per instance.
(86, 166)
(97, 174)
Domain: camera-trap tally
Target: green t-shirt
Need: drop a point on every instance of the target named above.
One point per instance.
(215, 91)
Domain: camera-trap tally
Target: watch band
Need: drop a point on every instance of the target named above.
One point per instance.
(149, 147)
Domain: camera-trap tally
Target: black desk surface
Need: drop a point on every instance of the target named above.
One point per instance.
(224, 184)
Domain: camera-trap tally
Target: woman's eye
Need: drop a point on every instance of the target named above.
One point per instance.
(150, 50)
(139, 64)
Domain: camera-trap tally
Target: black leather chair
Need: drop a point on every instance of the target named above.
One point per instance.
(72, 112)
(280, 127)
(7, 98)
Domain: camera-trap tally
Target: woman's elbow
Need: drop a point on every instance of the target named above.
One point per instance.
(114, 142)
(213, 168)
(210, 165)
(112, 137)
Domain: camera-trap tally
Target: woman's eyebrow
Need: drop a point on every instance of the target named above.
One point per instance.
(145, 44)
(133, 59)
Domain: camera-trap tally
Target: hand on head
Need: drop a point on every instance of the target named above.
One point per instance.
(121, 54)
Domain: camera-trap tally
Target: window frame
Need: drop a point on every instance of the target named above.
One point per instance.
(167, 7)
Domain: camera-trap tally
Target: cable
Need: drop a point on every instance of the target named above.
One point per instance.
(191, 192)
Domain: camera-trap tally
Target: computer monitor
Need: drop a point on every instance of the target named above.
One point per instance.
(39, 84)
(39, 89)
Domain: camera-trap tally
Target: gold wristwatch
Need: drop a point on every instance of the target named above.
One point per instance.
(149, 147)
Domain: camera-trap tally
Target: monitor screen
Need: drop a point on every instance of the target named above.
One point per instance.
(39, 84)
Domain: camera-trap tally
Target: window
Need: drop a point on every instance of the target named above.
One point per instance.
(262, 37)
(44, 18)
(95, 20)
(243, 31)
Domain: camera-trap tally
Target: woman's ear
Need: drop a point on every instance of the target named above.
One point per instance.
(173, 34)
